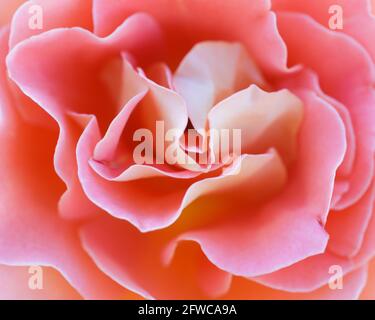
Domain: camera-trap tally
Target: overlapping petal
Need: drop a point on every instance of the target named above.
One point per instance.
(270, 224)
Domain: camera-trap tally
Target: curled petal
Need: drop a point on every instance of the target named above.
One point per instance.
(52, 15)
(135, 261)
(166, 196)
(368, 292)
(46, 239)
(14, 285)
(61, 83)
(240, 21)
(211, 72)
(347, 227)
(262, 234)
(349, 83)
(265, 119)
(313, 272)
(354, 283)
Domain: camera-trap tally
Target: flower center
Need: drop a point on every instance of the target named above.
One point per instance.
(214, 108)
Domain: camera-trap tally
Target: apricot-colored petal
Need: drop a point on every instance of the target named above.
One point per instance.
(358, 22)
(135, 261)
(244, 289)
(31, 231)
(257, 242)
(147, 203)
(166, 197)
(73, 204)
(8, 7)
(265, 119)
(105, 150)
(46, 240)
(64, 74)
(347, 227)
(113, 157)
(240, 21)
(368, 292)
(79, 67)
(211, 72)
(350, 83)
(14, 285)
(161, 74)
(8, 114)
(313, 272)
(306, 79)
(51, 15)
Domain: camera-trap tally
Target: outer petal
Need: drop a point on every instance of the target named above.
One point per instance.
(311, 273)
(245, 289)
(8, 7)
(347, 228)
(357, 19)
(194, 21)
(14, 285)
(31, 231)
(26, 173)
(368, 292)
(348, 78)
(67, 13)
(65, 73)
(135, 261)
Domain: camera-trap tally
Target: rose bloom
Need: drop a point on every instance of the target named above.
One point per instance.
(291, 218)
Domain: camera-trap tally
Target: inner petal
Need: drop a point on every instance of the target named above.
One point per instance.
(265, 119)
(209, 73)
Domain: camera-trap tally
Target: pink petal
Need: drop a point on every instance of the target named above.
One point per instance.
(265, 119)
(311, 273)
(14, 285)
(211, 72)
(147, 103)
(70, 68)
(246, 289)
(306, 79)
(46, 240)
(347, 227)
(26, 166)
(307, 275)
(147, 203)
(69, 13)
(108, 148)
(368, 292)
(257, 242)
(160, 74)
(73, 204)
(242, 21)
(8, 7)
(7, 114)
(134, 260)
(344, 80)
(357, 19)
(48, 79)
(155, 203)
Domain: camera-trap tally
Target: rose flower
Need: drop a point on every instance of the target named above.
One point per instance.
(102, 187)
